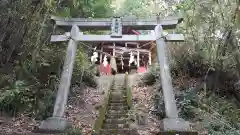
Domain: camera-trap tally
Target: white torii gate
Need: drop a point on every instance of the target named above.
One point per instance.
(172, 122)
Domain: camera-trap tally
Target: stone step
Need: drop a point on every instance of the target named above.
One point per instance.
(118, 94)
(116, 116)
(118, 98)
(116, 104)
(115, 132)
(112, 112)
(120, 91)
(114, 126)
(118, 101)
(122, 97)
(119, 88)
(116, 121)
(118, 107)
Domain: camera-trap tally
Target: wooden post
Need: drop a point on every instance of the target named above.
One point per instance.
(150, 58)
(114, 49)
(138, 57)
(101, 55)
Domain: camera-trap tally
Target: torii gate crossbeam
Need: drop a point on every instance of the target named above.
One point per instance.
(124, 38)
(106, 23)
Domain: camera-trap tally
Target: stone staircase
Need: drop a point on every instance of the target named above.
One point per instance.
(116, 117)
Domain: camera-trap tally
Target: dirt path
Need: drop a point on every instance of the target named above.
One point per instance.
(143, 104)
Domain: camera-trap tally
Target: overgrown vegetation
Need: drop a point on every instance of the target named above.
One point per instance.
(210, 56)
(219, 115)
(30, 67)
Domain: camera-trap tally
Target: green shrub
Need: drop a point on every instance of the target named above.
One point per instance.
(218, 115)
(152, 76)
(25, 98)
(84, 71)
(187, 105)
(17, 97)
(46, 106)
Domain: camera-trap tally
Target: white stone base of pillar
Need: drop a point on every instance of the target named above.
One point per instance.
(177, 133)
(175, 124)
(54, 125)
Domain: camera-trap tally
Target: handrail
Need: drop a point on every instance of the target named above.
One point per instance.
(102, 111)
(129, 91)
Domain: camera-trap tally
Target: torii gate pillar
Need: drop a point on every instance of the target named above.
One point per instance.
(172, 122)
(57, 122)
